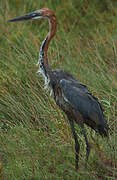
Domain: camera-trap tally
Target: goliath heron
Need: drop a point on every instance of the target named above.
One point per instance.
(70, 95)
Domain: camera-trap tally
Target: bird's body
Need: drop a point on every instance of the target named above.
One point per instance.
(70, 95)
(76, 101)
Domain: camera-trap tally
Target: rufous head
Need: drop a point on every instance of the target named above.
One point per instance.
(38, 14)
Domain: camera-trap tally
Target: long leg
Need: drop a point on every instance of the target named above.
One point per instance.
(77, 146)
(87, 144)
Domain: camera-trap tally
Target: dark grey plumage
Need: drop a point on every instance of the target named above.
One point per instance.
(70, 95)
(80, 106)
(77, 96)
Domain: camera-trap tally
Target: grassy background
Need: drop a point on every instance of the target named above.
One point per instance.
(35, 137)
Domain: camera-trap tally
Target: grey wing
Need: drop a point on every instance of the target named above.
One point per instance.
(82, 100)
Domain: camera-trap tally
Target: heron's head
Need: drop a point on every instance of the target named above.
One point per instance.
(38, 14)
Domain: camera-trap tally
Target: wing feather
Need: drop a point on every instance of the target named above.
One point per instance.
(82, 100)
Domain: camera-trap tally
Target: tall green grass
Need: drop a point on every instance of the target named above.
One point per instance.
(35, 137)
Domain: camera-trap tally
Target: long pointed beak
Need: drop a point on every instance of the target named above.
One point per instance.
(29, 16)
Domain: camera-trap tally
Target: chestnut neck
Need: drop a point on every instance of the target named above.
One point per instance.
(51, 33)
(45, 69)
